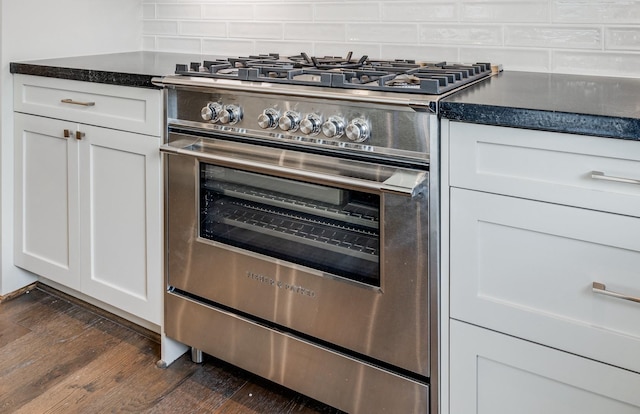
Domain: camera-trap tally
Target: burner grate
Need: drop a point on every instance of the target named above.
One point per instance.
(337, 72)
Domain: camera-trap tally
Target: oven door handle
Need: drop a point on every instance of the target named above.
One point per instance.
(403, 181)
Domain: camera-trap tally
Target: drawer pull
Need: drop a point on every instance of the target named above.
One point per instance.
(599, 175)
(602, 289)
(71, 101)
(67, 133)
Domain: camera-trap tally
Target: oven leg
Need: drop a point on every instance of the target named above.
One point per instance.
(196, 355)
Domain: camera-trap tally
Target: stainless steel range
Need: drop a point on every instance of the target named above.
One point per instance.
(302, 222)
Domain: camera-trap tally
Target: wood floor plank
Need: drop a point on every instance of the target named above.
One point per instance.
(253, 398)
(86, 383)
(203, 392)
(131, 384)
(261, 396)
(47, 367)
(19, 304)
(10, 331)
(50, 332)
(59, 357)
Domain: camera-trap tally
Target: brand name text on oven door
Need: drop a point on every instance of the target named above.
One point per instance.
(269, 281)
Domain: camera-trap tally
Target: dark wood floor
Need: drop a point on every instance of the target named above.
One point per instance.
(59, 357)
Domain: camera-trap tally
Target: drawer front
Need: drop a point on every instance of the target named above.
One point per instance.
(493, 373)
(559, 168)
(526, 268)
(118, 107)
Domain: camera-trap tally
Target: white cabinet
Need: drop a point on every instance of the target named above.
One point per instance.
(47, 238)
(87, 197)
(531, 226)
(493, 373)
(527, 268)
(547, 166)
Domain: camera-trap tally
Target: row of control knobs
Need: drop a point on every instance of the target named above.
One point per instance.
(356, 130)
(225, 114)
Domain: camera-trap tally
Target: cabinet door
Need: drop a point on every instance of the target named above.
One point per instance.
(527, 268)
(46, 198)
(493, 373)
(120, 220)
(590, 172)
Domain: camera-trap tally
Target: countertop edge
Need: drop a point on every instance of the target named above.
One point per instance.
(545, 120)
(84, 75)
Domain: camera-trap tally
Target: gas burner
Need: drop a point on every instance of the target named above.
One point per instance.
(337, 72)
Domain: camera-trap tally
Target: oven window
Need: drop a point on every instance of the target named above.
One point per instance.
(325, 228)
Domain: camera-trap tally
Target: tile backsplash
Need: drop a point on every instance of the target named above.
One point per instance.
(597, 37)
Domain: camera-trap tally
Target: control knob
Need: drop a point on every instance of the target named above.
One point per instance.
(311, 125)
(268, 119)
(358, 130)
(289, 121)
(231, 114)
(211, 112)
(333, 127)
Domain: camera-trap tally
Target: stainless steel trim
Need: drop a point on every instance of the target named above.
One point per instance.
(421, 102)
(434, 266)
(406, 182)
(601, 289)
(599, 175)
(71, 101)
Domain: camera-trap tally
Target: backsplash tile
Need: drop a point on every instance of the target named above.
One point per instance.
(622, 38)
(424, 11)
(382, 33)
(505, 11)
(228, 11)
(596, 63)
(596, 11)
(304, 31)
(598, 37)
(463, 34)
(287, 11)
(559, 36)
(251, 30)
(203, 29)
(533, 60)
(345, 12)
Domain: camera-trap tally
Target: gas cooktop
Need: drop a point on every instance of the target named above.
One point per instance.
(406, 76)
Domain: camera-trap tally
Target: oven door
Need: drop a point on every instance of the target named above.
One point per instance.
(329, 248)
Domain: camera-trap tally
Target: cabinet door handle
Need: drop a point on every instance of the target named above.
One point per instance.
(71, 101)
(601, 289)
(67, 133)
(599, 175)
(79, 135)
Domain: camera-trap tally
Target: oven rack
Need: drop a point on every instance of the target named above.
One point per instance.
(277, 224)
(351, 213)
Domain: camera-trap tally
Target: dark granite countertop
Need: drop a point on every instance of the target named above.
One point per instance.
(126, 69)
(590, 105)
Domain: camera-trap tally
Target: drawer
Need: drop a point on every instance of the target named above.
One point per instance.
(547, 166)
(117, 107)
(493, 373)
(527, 268)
